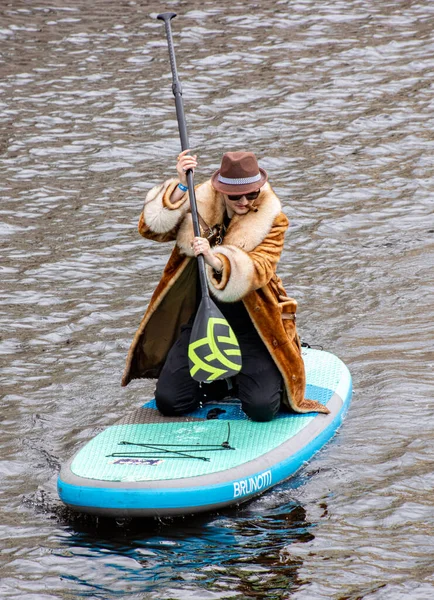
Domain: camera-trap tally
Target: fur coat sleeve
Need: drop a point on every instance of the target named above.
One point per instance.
(160, 218)
(244, 271)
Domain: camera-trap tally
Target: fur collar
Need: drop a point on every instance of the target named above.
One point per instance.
(245, 231)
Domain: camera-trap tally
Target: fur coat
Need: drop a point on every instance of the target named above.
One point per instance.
(250, 251)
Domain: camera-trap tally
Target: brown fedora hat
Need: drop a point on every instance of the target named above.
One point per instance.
(239, 173)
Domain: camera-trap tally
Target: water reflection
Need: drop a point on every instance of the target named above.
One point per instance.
(238, 554)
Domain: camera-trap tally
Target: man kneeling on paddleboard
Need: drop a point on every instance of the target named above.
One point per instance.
(243, 230)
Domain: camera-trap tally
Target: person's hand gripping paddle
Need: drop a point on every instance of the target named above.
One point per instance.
(213, 350)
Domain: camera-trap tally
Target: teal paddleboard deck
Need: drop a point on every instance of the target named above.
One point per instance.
(150, 465)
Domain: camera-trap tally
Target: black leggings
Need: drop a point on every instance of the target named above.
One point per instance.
(258, 385)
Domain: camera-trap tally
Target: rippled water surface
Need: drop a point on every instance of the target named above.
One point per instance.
(336, 98)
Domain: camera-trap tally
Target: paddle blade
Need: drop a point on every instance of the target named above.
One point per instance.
(213, 352)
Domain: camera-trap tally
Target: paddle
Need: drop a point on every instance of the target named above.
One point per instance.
(213, 351)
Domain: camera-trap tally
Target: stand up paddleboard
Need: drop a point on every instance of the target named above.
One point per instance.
(150, 465)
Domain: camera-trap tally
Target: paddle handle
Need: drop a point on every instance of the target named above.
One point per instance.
(183, 134)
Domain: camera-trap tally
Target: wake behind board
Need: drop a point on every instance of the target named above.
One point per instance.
(149, 465)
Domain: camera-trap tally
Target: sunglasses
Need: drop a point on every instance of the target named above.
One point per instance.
(251, 196)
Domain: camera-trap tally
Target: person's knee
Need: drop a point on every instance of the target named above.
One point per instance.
(172, 402)
(258, 409)
(164, 402)
(260, 414)
(166, 399)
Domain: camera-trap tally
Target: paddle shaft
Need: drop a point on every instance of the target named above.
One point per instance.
(182, 127)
